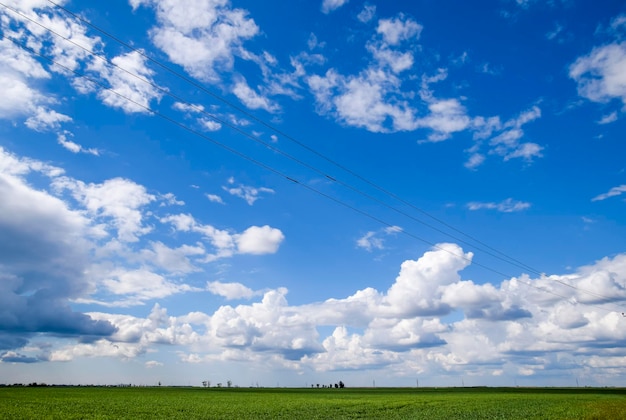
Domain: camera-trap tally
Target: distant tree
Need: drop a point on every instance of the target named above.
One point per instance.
(336, 385)
(229, 383)
(219, 384)
(318, 385)
(341, 385)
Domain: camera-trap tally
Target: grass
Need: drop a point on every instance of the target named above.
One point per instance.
(285, 403)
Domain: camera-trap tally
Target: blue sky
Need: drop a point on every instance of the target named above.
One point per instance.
(302, 192)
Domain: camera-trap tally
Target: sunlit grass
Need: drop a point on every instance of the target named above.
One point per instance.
(267, 403)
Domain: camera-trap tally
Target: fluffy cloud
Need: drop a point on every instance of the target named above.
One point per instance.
(19, 99)
(230, 291)
(130, 89)
(119, 200)
(373, 99)
(398, 29)
(600, 74)
(39, 27)
(259, 240)
(84, 243)
(520, 326)
(256, 240)
(138, 286)
(204, 37)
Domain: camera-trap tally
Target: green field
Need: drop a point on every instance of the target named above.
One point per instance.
(285, 403)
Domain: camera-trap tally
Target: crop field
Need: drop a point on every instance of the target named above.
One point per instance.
(287, 403)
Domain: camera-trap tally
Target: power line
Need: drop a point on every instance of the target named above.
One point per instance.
(271, 169)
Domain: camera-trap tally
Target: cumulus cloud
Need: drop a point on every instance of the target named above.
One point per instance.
(119, 200)
(33, 29)
(398, 29)
(599, 75)
(203, 37)
(127, 88)
(373, 98)
(137, 286)
(230, 291)
(18, 72)
(259, 240)
(256, 240)
(519, 326)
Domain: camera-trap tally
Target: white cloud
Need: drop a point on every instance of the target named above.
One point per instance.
(204, 37)
(377, 98)
(254, 240)
(210, 125)
(248, 193)
(251, 98)
(507, 206)
(118, 200)
(367, 14)
(190, 108)
(507, 143)
(46, 119)
(213, 198)
(516, 326)
(418, 287)
(231, 291)
(373, 240)
(259, 240)
(474, 161)
(398, 29)
(609, 118)
(172, 260)
(138, 286)
(128, 89)
(169, 199)
(613, 192)
(332, 5)
(62, 139)
(600, 74)
(368, 100)
(19, 98)
(446, 117)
